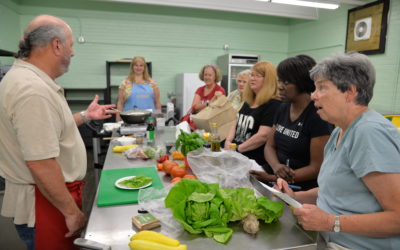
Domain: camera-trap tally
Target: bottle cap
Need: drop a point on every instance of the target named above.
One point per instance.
(232, 146)
(214, 125)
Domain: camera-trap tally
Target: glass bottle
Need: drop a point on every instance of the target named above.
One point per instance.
(150, 133)
(214, 138)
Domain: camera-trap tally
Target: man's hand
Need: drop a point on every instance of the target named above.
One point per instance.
(95, 111)
(75, 223)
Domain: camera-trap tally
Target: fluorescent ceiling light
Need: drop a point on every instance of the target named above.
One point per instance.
(305, 3)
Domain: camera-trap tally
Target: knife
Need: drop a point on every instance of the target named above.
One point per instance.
(267, 190)
(90, 244)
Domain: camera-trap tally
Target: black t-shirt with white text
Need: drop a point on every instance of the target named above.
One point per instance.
(249, 121)
(293, 138)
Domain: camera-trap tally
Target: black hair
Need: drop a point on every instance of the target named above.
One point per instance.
(296, 70)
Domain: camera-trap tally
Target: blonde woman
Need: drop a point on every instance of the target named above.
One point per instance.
(139, 90)
(255, 118)
(236, 96)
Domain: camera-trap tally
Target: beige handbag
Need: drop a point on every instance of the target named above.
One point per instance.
(219, 111)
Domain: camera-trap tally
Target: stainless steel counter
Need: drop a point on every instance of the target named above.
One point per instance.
(112, 225)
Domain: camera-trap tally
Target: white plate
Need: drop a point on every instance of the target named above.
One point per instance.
(127, 178)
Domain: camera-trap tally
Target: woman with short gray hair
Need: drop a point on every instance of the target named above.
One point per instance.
(357, 204)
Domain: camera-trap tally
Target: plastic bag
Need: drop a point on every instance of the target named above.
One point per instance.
(144, 153)
(228, 168)
(152, 200)
(154, 152)
(135, 153)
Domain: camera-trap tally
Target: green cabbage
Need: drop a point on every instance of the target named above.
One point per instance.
(206, 208)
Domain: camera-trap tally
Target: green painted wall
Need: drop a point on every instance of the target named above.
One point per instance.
(175, 40)
(327, 36)
(9, 29)
(178, 40)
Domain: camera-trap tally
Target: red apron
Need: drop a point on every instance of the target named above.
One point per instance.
(50, 222)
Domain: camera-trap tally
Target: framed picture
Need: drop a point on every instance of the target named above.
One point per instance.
(366, 28)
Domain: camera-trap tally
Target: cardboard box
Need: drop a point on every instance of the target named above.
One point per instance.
(221, 112)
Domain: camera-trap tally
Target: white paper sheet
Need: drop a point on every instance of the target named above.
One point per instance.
(285, 197)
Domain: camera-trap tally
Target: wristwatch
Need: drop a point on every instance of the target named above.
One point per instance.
(336, 225)
(83, 116)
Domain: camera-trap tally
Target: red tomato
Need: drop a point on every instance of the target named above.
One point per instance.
(176, 179)
(163, 158)
(189, 176)
(178, 172)
(168, 165)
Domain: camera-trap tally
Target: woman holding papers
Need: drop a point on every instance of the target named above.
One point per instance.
(357, 204)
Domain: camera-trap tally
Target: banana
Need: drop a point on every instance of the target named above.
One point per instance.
(151, 245)
(155, 237)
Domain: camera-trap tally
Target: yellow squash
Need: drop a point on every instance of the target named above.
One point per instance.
(120, 149)
(151, 245)
(155, 237)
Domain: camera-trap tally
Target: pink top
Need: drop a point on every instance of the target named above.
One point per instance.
(203, 98)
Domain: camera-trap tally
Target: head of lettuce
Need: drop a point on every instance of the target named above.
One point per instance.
(206, 208)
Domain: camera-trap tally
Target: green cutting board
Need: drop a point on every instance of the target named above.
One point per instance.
(110, 195)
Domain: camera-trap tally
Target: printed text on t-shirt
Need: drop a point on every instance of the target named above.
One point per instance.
(288, 132)
(244, 126)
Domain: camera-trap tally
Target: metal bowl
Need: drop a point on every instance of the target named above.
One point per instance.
(135, 116)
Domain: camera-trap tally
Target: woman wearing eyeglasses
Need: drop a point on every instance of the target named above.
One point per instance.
(255, 118)
(294, 150)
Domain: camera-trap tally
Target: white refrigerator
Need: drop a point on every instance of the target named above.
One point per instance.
(185, 87)
(231, 65)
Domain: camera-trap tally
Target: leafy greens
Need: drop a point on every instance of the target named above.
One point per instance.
(206, 208)
(188, 142)
(136, 182)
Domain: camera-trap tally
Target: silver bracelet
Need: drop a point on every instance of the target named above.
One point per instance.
(84, 117)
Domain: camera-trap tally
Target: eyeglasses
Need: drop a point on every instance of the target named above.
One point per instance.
(256, 75)
(283, 82)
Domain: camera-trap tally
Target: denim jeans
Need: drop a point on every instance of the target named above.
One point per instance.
(27, 235)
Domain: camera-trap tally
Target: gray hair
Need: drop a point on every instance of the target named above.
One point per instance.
(40, 37)
(348, 69)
